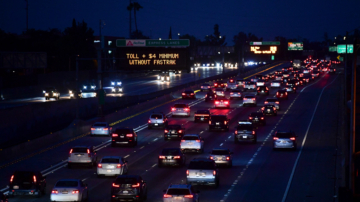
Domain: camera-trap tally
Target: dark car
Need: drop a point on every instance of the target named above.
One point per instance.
(263, 90)
(220, 84)
(210, 96)
(285, 80)
(332, 70)
(188, 94)
(27, 183)
(174, 132)
(171, 156)
(124, 136)
(219, 122)
(51, 92)
(282, 94)
(291, 86)
(245, 131)
(257, 118)
(202, 115)
(128, 188)
(269, 110)
(205, 86)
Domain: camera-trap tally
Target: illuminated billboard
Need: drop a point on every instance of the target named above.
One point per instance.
(294, 46)
(263, 49)
(153, 58)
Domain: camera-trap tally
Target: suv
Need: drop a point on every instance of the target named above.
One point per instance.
(221, 156)
(51, 93)
(128, 187)
(220, 84)
(157, 120)
(180, 110)
(219, 122)
(284, 139)
(82, 155)
(231, 84)
(249, 86)
(257, 118)
(245, 131)
(188, 94)
(100, 128)
(202, 115)
(202, 171)
(181, 192)
(263, 90)
(171, 156)
(124, 136)
(192, 142)
(210, 96)
(27, 183)
(173, 131)
(222, 102)
(219, 92)
(269, 109)
(205, 86)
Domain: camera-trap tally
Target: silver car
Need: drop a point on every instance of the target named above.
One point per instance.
(70, 190)
(112, 165)
(273, 101)
(284, 140)
(180, 110)
(192, 142)
(275, 84)
(157, 120)
(231, 84)
(100, 128)
(221, 156)
(181, 192)
(202, 171)
(219, 92)
(250, 86)
(82, 155)
(235, 94)
(249, 100)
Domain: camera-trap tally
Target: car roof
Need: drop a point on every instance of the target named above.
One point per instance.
(250, 96)
(111, 157)
(191, 135)
(182, 186)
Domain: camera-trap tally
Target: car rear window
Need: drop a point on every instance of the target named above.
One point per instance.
(123, 180)
(283, 135)
(202, 165)
(178, 192)
(180, 105)
(67, 183)
(218, 118)
(80, 150)
(256, 114)
(171, 152)
(219, 89)
(190, 137)
(235, 91)
(202, 112)
(174, 127)
(220, 152)
(269, 106)
(23, 176)
(110, 160)
(188, 91)
(245, 127)
(156, 116)
(123, 131)
(100, 124)
(249, 96)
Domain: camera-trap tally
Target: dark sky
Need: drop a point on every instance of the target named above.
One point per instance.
(264, 18)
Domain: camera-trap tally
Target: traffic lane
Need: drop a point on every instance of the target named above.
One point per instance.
(317, 164)
(271, 168)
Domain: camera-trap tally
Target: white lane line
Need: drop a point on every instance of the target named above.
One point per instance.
(142, 147)
(155, 139)
(201, 132)
(221, 144)
(127, 156)
(85, 179)
(303, 143)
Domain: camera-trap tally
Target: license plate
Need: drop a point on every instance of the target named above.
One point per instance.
(98, 129)
(283, 141)
(121, 136)
(177, 198)
(268, 110)
(64, 192)
(210, 96)
(79, 155)
(190, 143)
(125, 192)
(244, 136)
(109, 171)
(16, 187)
(262, 91)
(256, 119)
(202, 119)
(172, 132)
(156, 124)
(110, 167)
(217, 123)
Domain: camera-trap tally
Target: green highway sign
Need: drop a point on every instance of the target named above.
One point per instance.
(272, 57)
(341, 48)
(341, 59)
(152, 43)
(263, 43)
(293, 46)
(332, 48)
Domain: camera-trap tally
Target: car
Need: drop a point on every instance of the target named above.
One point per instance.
(275, 84)
(124, 136)
(192, 143)
(290, 87)
(331, 70)
(284, 140)
(231, 84)
(285, 80)
(282, 94)
(205, 86)
(306, 79)
(260, 82)
(286, 75)
(188, 94)
(82, 155)
(202, 171)
(100, 128)
(265, 77)
(180, 109)
(263, 90)
(164, 77)
(219, 92)
(112, 166)
(250, 86)
(128, 188)
(221, 156)
(249, 100)
(3, 197)
(271, 75)
(277, 72)
(269, 110)
(257, 77)
(181, 192)
(173, 131)
(278, 77)
(117, 89)
(222, 102)
(241, 82)
(315, 74)
(171, 157)
(220, 84)
(70, 190)
(257, 118)
(73, 94)
(235, 94)
(27, 182)
(273, 101)
(210, 96)
(202, 115)
(51, 92)
(88, 91)
(245, 131)
(219, 122)
(157, 120)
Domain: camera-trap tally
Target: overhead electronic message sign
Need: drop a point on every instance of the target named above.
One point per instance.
(294, 46)
(263, 49)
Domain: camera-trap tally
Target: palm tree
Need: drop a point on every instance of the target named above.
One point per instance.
(137, 7)
(129, 8)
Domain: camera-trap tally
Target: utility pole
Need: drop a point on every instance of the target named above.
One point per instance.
(100, 91)
(345, 67)
(130, 20)
(77, 87)
(27, 15)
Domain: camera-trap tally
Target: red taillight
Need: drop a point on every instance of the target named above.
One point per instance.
(227, 158)
(250, 117)
(173, 109)
(54, 191)
(274, 108)
(253, 98)
(12, 178)
(136, 185)
(258, 88)
(161, 157)
(129, 135)
(217, 102)
(166, 131)
(277, 93)
(187, 109)
(180, 131)
(176, 157)
(208, 86)
(88, 152)
(285, 93)
(192, 94)
(149, 121)
(182, 140)
(262, 118)
(236, 132)
(71, 150)
(225, 122)
(106, 129)
(214, 172)
(226, 102)
(118, 166)
(34, 178)
(99, 165)
(209, 122)
(115, 185)
(75, 191)
(253, 132)
(187, 172)
(188, 196)
(115, 135)
(212, 158)
(215, 84)
(167, 196)
(262, 108)
(275, 138)
(183, 94)
(92, 128)
(292, 138)
(197, 140)
(245, 98)
(231, 93)
(266, 102)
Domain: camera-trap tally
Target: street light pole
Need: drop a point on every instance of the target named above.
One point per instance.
(75, 90)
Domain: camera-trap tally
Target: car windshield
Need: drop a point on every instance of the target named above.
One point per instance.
(80, 150)
(218, 118)
(219, 152)
(23, 176)
(110, 160)
(178, 192)
(67, 183)
(174, 127)
(170, 152)
(156, 116)
(202, 165)
(190, 137)
(245, 127)
(284, 135)
(100, 124)
(180, 106)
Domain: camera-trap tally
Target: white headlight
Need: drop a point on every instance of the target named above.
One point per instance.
(120, 89)
(70, 91)
(46, 94)
(93, 87)
(84, 87)
(44, 91)
(113, 83)
(119, 83)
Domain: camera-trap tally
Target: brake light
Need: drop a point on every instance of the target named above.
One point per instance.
(54, 191)
(231, 93)
(88, 151)
(208, 86)
(217, 102)
(209, 122)
(292, 138)
(277, 93)
(236, 132)
(129, 135)
(176, 157)
(214, 172)
(245, 98)
(180, 131)
(136, 185)
(34, 178)
(161, 157)
(212, 158)
(149, 121)
(75, 192)
(187, 172)
(225, 122)
(12, 178)
(253, 132)
(71, 150)
(188, 196)
(253, 98)
(275, 138)
(115, 135)
(227, 158)
(166, 131)
(274, 108)
(92, 128)
(266, 102)
(118, 166)
(187, 109)
(258, 88)
(183, 94)
(226, 102)
(262, 108)
(115, 185)
(250, 117)
(215, 84)
(197, 140)
(262, 118)
(182, 140)
(167, 196)
(99, 165)
(192, 94)
(285, 93)
(106, 129)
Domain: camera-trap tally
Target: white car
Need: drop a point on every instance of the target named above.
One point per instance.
(100, 128)
(112, 165)
(260, 83)
(275, 84)
(192, 142)
(249, 100)
(231, 84)
(70, 190)
(82, 155)
(205, 86)
(235, 94)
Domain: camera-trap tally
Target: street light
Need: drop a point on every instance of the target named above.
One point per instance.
(220, 37)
